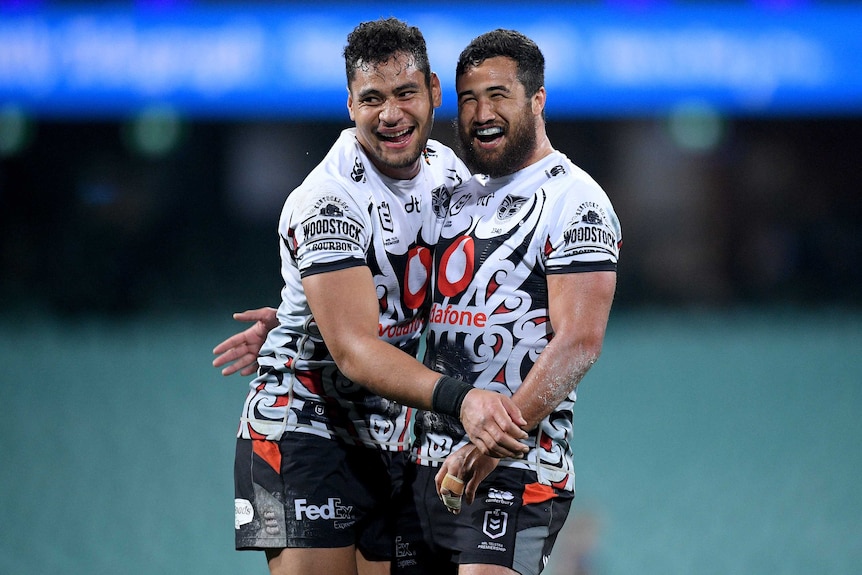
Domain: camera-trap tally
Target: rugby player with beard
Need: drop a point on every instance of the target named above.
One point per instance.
(323, 428)
(525, 277)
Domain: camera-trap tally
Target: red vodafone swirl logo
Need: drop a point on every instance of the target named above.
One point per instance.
(417, 277)
(456, 267)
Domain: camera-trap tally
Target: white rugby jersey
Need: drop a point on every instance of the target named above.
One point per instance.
(489, 318)
(347, 214)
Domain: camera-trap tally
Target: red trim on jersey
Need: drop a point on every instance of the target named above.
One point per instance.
(501, 376)
(269, 452)
(498, 344)
(311, 380)
(537, 493)
(408, 418)
(383, 302)
(502, 309)
(492, 287)
(548, 246)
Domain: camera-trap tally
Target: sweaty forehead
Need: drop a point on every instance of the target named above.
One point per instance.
(394, 66)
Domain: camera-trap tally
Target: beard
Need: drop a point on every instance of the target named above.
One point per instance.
(397, 160)
(520, 143)
(400, 161)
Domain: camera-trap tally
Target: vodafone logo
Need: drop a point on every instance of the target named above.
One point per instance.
(456, 267)
(417, 275)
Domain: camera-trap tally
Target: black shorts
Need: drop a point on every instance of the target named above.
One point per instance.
(310, 492)
(507, 524)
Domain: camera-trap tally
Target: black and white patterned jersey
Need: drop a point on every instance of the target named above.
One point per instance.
(347, 214)
(489, 319)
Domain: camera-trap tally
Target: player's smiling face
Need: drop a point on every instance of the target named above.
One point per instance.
(496, 119)
(394, 110)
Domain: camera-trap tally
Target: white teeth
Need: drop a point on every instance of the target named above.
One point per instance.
(493, 131)
(397, 134)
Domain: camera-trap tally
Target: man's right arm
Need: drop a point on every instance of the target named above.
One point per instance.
(491, 419)
(346, 310)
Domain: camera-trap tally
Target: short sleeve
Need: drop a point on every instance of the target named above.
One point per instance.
(585, 234)
(325, 229)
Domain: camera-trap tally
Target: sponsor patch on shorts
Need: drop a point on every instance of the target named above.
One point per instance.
(243, 512)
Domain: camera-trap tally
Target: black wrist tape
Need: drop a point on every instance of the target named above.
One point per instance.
(449, 394)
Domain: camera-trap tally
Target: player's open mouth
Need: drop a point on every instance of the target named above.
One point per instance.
(398, 137)
(488, 135)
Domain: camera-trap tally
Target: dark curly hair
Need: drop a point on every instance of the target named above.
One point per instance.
(510, 44)
(376, 41)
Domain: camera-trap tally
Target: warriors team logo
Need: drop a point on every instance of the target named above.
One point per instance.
(509, 207)
(440, 197)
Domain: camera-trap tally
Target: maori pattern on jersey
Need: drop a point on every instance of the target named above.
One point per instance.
(345, 409)
(489, 317)
(475, 314)
(342, 216)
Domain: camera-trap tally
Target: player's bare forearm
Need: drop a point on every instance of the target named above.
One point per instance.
(346, 310)
(579, 306)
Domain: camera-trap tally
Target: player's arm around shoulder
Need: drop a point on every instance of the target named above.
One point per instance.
(346, 311)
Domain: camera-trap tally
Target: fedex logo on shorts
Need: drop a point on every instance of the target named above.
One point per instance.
(332, 510)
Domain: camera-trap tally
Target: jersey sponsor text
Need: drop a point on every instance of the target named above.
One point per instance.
(331, 225)
(333, 509)
(451, 315)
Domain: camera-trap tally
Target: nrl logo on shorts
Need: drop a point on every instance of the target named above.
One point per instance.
(495, 523)
(509, 207)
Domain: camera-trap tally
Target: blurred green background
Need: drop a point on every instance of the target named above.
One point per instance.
(706, 443)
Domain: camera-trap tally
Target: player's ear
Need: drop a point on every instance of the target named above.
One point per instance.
(350, 105)
(538, 101)
(436, 92)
